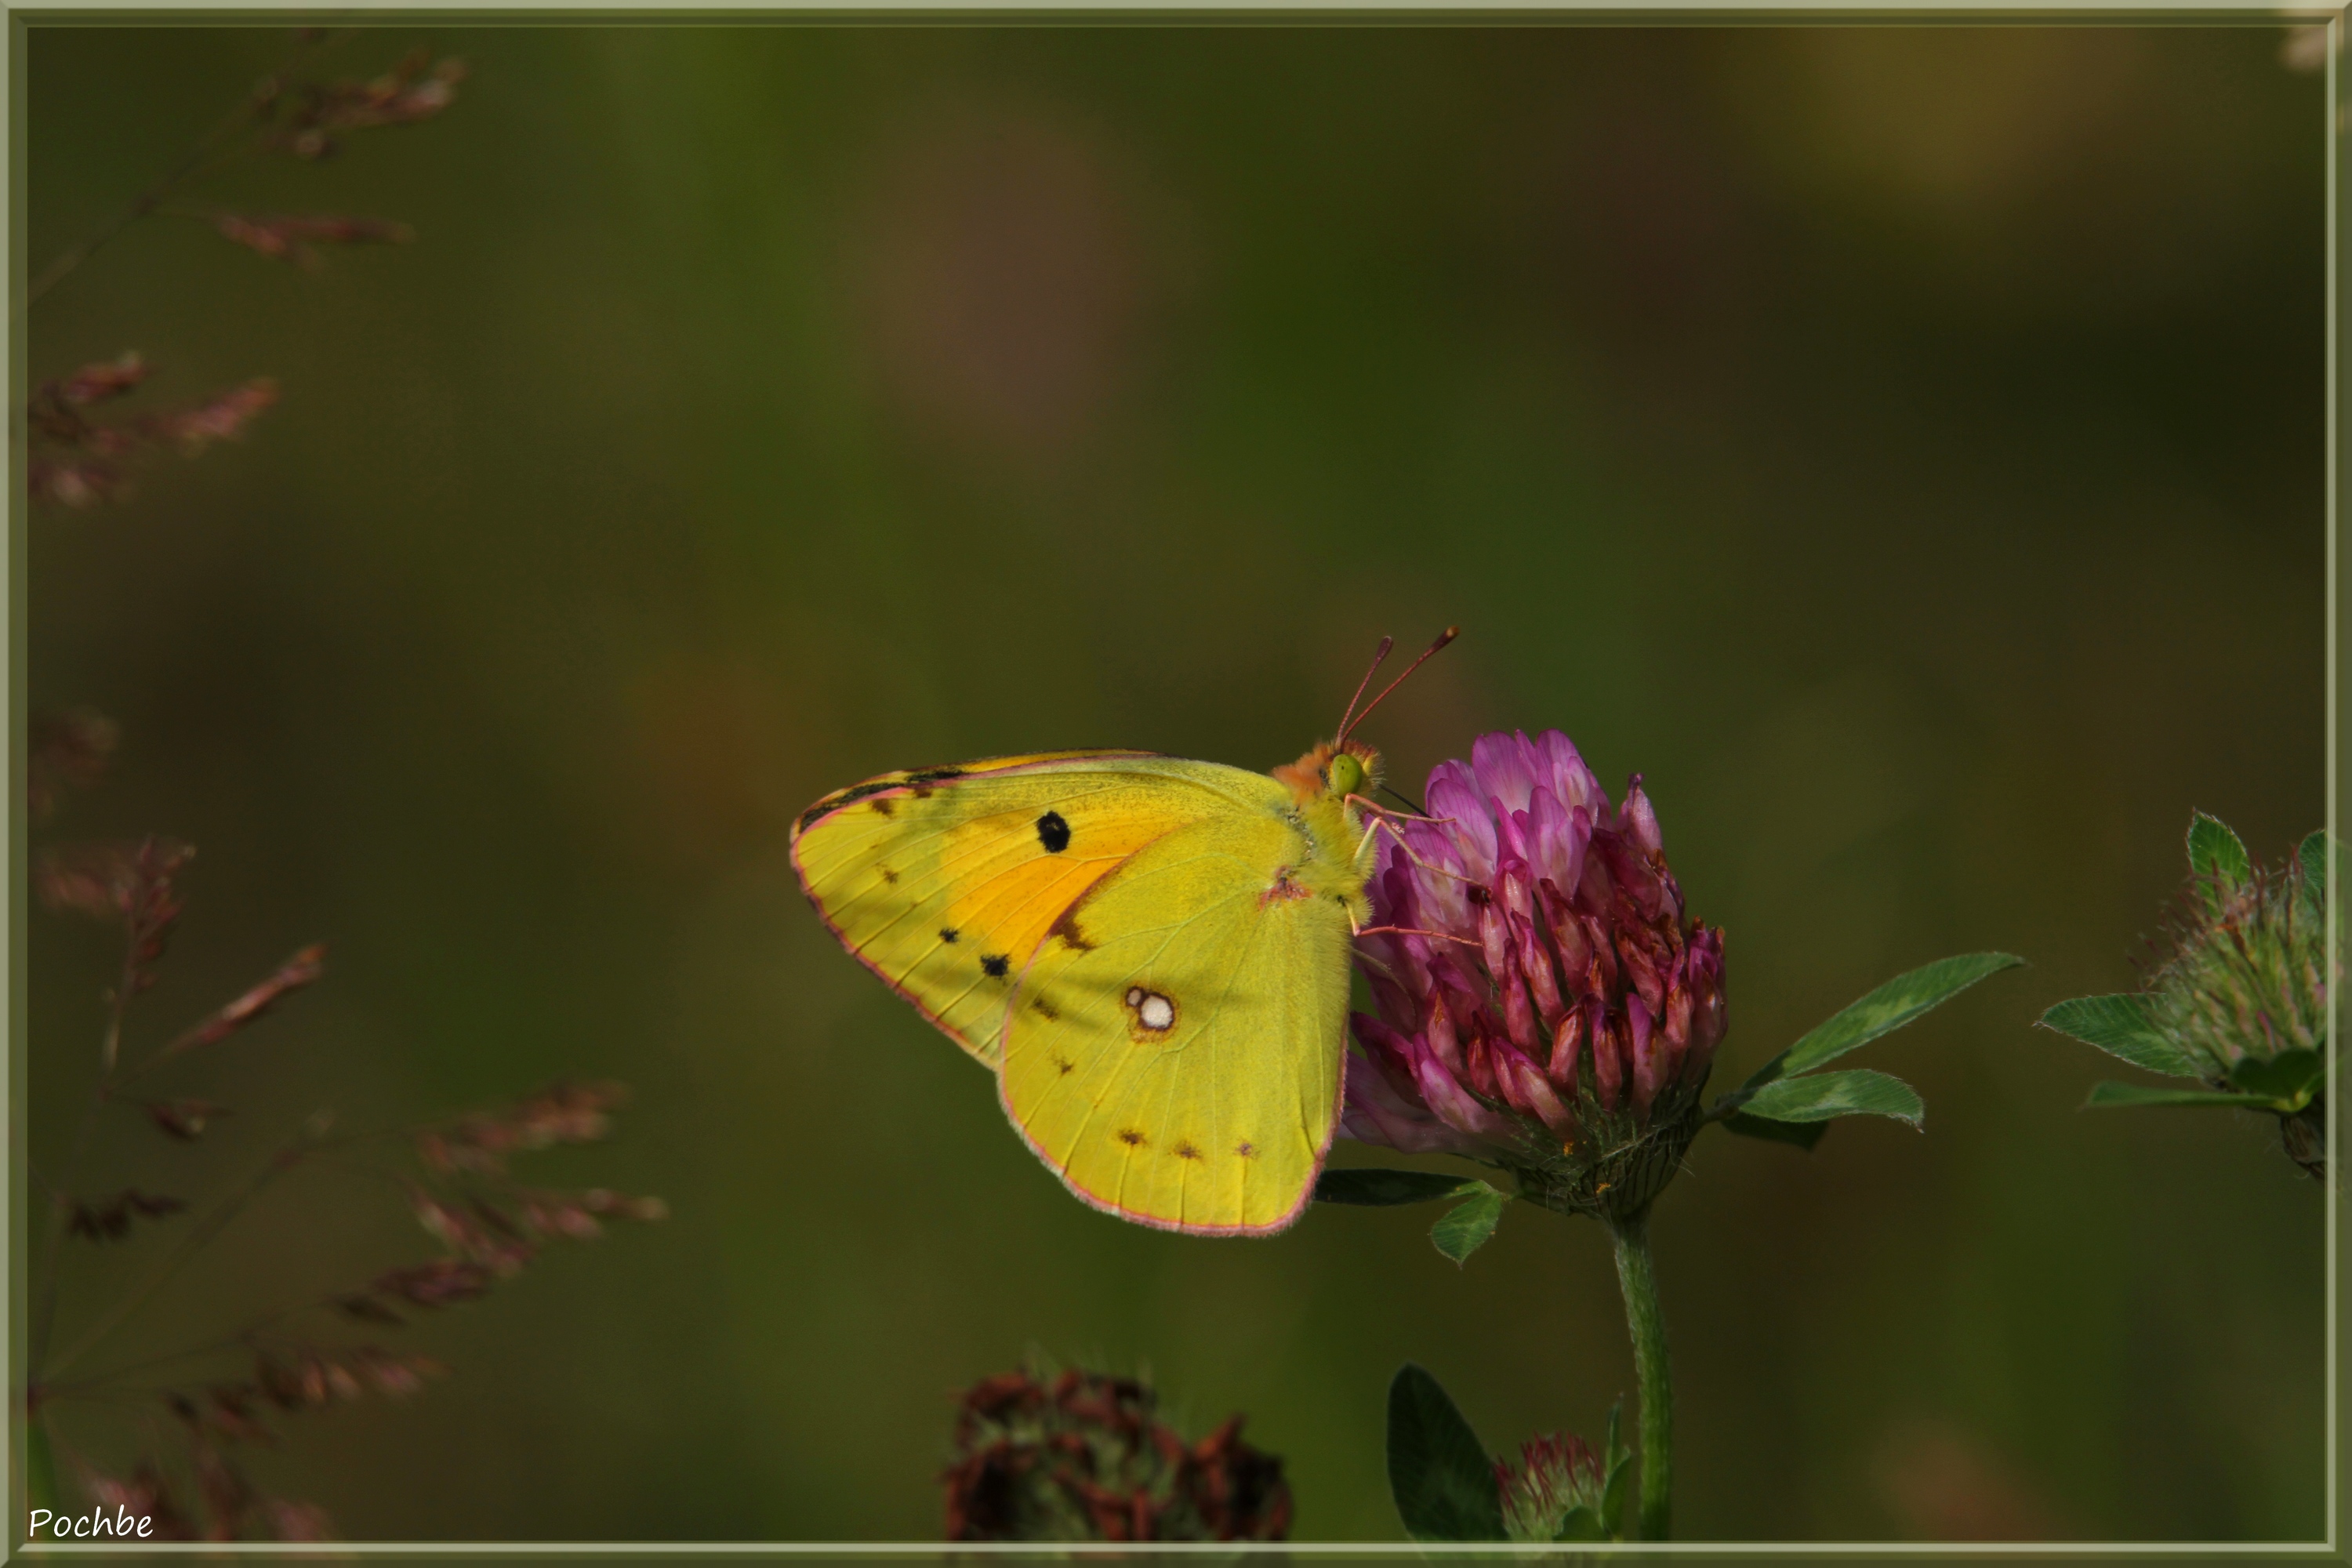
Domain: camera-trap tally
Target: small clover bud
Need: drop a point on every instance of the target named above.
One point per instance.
(1555, 1475)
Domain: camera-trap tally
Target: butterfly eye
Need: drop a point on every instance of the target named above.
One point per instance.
(1345, 776)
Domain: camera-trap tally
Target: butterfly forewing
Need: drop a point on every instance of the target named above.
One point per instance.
(944, 881)
(1174, 1048)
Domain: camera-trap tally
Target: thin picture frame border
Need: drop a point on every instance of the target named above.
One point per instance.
(15, 1185)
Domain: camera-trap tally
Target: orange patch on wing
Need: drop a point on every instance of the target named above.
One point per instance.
(1020, 904)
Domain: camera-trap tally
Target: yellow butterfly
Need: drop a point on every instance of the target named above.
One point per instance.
(1152, 954)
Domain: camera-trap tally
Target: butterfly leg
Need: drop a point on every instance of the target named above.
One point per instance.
(1406, 849)
(1377, 813)
(1409, 930)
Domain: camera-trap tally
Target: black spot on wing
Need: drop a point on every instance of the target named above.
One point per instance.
(889, 875)
(1046, 1011)
(885, 804)
(949, 934)
(996, 963)
(1054, 833)
(1131, 1138)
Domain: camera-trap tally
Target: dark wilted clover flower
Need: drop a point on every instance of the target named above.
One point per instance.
(1545, 1003)
(2240, 1003)
(1081, 1456)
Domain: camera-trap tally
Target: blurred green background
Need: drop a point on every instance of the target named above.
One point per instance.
(1903, 446)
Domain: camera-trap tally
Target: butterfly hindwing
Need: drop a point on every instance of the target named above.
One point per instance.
(1174, 1049)
(944, 881)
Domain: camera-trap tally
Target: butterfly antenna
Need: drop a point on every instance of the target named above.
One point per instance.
(1447, 636)
(1418, 809)
(1379, 653)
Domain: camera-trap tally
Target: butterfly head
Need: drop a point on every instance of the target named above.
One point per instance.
(1333, 769)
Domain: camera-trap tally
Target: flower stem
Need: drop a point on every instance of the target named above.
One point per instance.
(1638, 1278)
